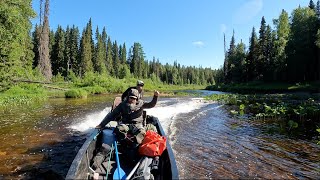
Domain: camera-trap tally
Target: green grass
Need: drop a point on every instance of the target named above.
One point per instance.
(261, 87)
(22, 94)
(91, 83)
(76, 93)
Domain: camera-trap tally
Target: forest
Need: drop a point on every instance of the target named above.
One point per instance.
(37, 53)
(287, 52)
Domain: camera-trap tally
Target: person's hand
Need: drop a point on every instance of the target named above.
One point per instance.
(98, 127)
(156, 93)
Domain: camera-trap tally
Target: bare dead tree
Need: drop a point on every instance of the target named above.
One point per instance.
(44, 58)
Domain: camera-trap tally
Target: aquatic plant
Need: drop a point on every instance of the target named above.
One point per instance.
(295, 111)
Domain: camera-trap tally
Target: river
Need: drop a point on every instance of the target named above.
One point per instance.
(41, 140)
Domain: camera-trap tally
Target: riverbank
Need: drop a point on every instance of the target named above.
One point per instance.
(261, 87)
(29, 92)
(295, 114)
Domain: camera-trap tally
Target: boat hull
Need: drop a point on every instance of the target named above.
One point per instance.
(80, 167)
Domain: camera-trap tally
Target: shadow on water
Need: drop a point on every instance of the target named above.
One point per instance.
(40, 141)
(56, 160)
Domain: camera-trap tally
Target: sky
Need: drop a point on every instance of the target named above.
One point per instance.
(187, 31)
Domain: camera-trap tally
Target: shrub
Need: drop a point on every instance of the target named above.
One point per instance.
(95, 89)
(76, 93)
(58, 78)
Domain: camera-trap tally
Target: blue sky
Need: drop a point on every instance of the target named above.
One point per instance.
(187, 31)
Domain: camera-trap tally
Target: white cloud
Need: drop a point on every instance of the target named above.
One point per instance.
(223, 28)
(247, 11)
(198, 43)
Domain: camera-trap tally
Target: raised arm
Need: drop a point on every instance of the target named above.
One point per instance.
(153, 102)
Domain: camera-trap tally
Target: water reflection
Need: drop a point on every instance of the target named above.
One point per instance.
(30, 133)
(41, 140)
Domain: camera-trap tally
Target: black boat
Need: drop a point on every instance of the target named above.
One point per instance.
(97, 160)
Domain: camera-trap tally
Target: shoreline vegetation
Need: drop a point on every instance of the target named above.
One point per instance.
(294, 108)
(263, 88)
(26, 92)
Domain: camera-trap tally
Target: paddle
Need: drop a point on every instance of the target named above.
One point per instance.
(118, 173)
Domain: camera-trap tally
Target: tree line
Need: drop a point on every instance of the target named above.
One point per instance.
(289, 52)
(39, 52)
(78, 54)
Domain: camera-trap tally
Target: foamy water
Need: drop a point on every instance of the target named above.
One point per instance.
(90, 121)
(165, 113)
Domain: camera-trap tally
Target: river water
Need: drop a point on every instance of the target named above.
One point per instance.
(41, 140)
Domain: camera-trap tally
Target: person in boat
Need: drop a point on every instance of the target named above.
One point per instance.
(139, 87)
(131, 111)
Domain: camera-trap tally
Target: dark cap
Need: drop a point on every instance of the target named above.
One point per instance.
(140, 83)
(133, 93)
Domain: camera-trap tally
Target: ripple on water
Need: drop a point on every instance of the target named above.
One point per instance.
(216, 146)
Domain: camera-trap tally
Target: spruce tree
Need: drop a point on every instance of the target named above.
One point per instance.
(35, 41)
(123, 54)
(115, 58)
(312, 5)
(262, 50)
(99, 54)
(252, 58)
(58, 56)
(229, 59)
(67, 53)
(74, 50)
(109, 61)
(86, 50)
(318, 10)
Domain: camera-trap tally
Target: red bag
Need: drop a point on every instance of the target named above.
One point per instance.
(152, 145)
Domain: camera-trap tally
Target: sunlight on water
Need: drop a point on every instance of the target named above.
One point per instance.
(90, 121)
(166, 114)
